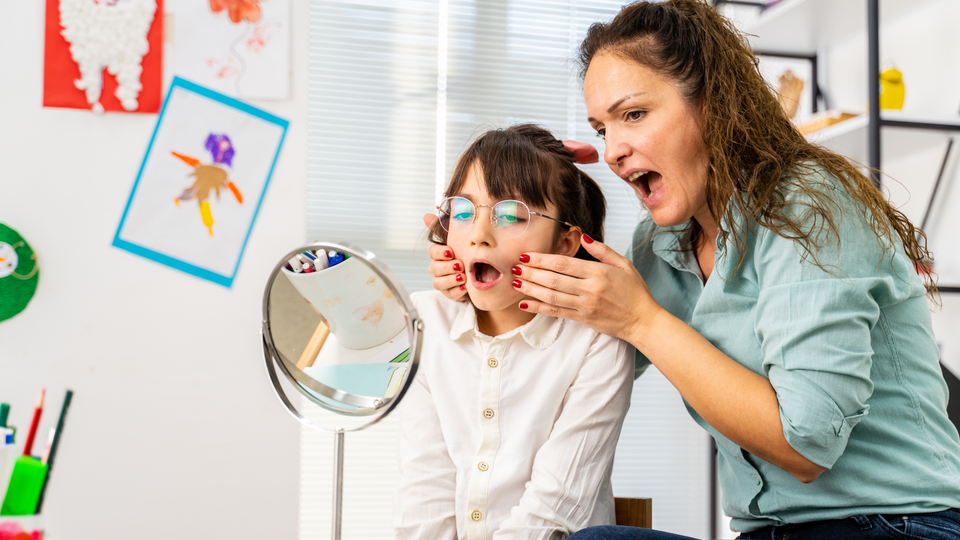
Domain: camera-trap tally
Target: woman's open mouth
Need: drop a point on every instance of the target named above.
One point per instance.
(647, 182)
(484, 275)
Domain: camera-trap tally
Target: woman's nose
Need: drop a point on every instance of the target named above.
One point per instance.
(615, 148)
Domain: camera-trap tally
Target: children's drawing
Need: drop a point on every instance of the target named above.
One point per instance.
(86, 38)
(209, 177)
(204, 144)
(240, 48)
(238, 9)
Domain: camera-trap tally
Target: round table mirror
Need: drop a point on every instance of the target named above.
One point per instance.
(341, 329)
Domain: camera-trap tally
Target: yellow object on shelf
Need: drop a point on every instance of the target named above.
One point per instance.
(892, 89)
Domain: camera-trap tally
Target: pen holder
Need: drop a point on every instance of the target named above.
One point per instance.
(359, 307)
(26, 482)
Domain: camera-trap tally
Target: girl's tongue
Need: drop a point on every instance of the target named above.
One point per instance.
(484, 273)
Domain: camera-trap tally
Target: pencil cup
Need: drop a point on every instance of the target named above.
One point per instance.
(26, 482)
(359, 307)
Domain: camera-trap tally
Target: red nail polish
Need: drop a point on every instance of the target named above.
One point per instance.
(462, 288)
(523, 305)
(456, 267)
(459, 277)
(516, 270)
(448, 254)
(524, 258)
(587, 238)
(517, 284)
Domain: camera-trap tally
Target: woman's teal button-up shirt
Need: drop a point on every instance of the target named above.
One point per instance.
(849, 351)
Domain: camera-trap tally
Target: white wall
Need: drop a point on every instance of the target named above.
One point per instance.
(174, 429)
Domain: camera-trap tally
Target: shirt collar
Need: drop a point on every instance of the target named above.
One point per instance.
(539, 333)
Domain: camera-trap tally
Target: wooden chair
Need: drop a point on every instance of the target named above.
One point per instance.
(634, 512)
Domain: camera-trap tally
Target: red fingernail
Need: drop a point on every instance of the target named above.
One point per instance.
(587, 238)
(459, 277)
(516, 270)
(524, 258)
(456, 267)
(448, 254)
(517, 284)
(523, 305)
(462, 288)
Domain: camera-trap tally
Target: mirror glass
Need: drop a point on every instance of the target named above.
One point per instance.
(340, 328)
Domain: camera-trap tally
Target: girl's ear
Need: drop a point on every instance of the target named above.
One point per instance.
(569, 242)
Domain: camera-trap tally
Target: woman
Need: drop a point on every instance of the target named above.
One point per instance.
(772, 284)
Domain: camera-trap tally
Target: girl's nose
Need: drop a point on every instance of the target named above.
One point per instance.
(482, 232)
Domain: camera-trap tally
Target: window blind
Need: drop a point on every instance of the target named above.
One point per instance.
(397, 90)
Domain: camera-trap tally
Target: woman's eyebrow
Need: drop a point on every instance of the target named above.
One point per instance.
(621, 100)
(617, 104)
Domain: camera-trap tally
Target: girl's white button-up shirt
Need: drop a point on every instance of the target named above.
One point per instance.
(511, 436)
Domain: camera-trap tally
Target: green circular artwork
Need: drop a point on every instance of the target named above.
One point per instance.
(19, 272)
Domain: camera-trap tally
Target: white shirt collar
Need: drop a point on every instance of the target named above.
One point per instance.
(540, 332)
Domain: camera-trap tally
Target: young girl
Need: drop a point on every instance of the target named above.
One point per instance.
(510, 426)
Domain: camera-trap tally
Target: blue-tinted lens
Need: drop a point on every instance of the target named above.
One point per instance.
(511, 217)
(459, 212)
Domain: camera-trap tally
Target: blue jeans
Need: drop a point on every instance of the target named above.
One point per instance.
(936, 526)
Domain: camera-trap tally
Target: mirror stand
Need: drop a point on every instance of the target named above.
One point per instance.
(337, 518)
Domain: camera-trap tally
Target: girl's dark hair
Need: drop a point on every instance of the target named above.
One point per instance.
(527, 163)
(757, 157)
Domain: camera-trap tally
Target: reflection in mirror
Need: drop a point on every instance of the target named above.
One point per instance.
(339, 331)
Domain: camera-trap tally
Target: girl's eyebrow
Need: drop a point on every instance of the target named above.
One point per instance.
(467, 196)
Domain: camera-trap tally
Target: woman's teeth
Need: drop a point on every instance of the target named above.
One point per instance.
(633, 177)
(641, 179)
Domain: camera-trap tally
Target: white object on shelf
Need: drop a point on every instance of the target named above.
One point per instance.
(849, 137)
(806, 26)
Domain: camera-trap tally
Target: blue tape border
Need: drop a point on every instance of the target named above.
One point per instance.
(225, 280)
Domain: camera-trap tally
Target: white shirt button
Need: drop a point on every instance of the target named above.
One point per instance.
(477, 515)
(492, 362)
(483, 466)
(488, 413)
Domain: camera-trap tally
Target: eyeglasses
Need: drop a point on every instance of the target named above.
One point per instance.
(510, 218)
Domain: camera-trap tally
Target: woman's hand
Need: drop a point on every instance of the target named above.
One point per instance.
(608, 296)
(447, 272)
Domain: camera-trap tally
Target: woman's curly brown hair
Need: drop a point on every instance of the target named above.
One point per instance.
(757, 157)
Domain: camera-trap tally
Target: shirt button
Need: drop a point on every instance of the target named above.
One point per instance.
(477, 515)
(758, 480)
(488, 413)
(483, 466)
(492, 362)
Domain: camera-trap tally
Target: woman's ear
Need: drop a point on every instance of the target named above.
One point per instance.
(569, 242)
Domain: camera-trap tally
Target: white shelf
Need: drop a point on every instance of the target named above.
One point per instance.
(806, 26)
(849, 138)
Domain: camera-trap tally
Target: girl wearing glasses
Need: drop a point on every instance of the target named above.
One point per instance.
(510, 427)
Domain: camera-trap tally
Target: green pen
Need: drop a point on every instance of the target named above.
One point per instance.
(4, 413)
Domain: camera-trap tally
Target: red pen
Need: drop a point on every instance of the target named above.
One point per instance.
(34, 423)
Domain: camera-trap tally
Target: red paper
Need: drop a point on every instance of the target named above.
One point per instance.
(59, 69)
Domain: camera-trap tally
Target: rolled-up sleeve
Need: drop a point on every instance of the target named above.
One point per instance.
(814, 325)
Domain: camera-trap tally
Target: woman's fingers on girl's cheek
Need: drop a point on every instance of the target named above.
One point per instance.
(439, 252)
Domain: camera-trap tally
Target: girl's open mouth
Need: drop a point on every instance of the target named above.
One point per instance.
(484, 275)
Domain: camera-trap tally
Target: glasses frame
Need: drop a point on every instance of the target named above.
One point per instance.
(493, 219)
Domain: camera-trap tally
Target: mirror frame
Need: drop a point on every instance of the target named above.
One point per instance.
(375, 408)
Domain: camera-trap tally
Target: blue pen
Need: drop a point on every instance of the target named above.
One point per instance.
(310, 255)
(335, 258)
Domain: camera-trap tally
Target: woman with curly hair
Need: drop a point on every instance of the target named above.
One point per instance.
(772, 284)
